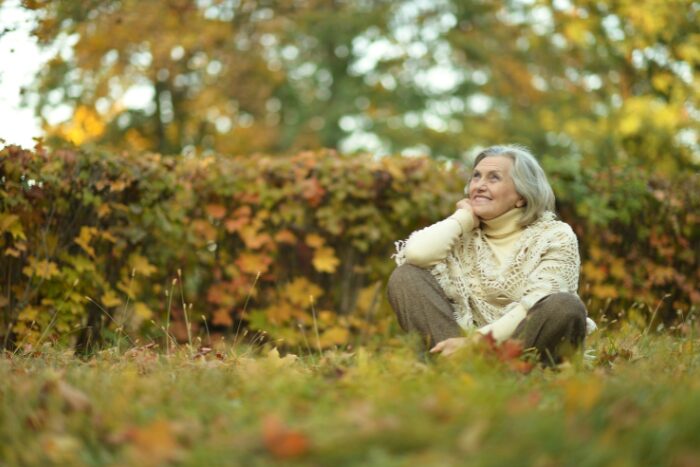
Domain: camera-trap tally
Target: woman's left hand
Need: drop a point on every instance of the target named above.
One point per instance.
(453, 344)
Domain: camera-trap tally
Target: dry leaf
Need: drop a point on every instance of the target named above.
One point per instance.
(281, 441)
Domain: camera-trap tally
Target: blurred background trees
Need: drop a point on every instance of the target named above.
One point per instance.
(581, 82)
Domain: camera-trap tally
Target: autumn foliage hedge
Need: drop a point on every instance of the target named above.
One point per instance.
(94, 244)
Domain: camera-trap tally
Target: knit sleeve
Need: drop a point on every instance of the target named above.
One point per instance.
(558, 267)
(428, 246)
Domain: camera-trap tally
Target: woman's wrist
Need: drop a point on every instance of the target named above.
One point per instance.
(465, 218)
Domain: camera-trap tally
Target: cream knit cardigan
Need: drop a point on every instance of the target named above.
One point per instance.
(495, 273)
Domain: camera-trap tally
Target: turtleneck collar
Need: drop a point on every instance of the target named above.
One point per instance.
(504, 225)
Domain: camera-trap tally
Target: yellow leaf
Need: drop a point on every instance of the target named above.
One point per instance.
(83, 240)
(582, 395)
(273, 356)
(110, 299)
(141, 265)
(334, 336)
(12, 252)
(604, 291)
(367, 297)
(279, 313)
(630, 124)
(86, 124)
(300, 289)
(28, 314)
(142, 311)
(325, 260)
(11, 223)
(103, 210)
(44, 269)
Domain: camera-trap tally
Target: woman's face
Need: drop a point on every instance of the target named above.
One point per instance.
(491, 188)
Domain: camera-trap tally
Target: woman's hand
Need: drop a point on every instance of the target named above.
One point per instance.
(466, 205)
(453, 344)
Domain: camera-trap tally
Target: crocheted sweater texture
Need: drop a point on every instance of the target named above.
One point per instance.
(483, 287)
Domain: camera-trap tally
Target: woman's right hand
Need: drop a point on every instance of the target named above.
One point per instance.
(466, 205)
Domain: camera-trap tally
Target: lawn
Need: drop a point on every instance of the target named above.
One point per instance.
(384, 404)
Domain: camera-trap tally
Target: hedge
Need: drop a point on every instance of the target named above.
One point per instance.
(96, 245)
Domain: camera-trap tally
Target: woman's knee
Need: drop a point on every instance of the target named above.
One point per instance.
(404, 278)
(567, 305)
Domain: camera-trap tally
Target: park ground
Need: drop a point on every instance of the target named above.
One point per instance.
(632, 401)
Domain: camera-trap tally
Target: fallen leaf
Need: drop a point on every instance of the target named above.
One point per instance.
(281, 441)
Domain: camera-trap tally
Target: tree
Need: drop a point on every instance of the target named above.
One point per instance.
(579, 81)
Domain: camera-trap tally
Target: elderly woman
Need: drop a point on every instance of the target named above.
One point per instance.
(501, 264)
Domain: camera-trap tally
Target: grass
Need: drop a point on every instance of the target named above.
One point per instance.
(387, 404)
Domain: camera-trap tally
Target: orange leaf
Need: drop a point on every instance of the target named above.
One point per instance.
(314, 240)
(222, 317)
(156, 443)
(510, 349)
(204, 230)
(253, 263)
(216, 211)
(233, 225)
(312, 191)
(283, 442)
(252, 238)
(285, 236)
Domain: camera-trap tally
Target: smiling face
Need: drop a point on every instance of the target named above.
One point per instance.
(491, 188)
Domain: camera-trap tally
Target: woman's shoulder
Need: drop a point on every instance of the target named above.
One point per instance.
(548, 224)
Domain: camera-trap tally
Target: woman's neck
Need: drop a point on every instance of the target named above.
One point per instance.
(505, 224)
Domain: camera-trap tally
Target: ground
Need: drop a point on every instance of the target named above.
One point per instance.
(384, 404)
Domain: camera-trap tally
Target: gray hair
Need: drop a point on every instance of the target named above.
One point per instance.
(528, 177)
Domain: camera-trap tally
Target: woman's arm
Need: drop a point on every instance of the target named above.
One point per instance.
(504, 327)
(428, 246)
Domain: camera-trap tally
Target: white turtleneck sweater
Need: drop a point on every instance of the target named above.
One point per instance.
(494, 273)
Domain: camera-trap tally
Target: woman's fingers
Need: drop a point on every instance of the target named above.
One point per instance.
(449, 346)
(438, 347)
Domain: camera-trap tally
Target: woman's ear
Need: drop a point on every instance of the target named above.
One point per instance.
(520, 203)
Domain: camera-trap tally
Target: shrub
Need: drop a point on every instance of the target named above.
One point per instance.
(94, 243)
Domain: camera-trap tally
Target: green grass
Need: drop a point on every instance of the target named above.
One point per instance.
(386, 405)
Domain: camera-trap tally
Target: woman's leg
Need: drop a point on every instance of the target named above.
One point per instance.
(421, 305)
(555, 326)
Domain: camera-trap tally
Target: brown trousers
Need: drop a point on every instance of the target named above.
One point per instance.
(555, 326)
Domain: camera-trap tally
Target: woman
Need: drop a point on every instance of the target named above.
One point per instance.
(501, 264)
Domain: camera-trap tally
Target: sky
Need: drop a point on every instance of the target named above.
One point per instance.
(20, 59)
